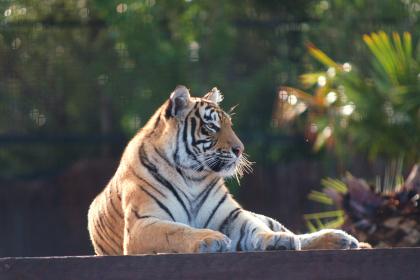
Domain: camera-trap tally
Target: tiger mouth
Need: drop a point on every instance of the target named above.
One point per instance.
(222, 164)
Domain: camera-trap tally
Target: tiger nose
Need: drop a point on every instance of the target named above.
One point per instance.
(237, 150)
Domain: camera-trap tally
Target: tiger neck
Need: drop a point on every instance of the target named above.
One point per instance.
(191, 181)
(191, 176)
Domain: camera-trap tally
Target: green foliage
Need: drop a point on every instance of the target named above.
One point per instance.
(374, 108)
(101, 67)
(327, 219)
(331, 218)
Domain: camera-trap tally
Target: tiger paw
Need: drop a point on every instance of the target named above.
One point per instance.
(338, 239)
(211, 242)
(273, 241)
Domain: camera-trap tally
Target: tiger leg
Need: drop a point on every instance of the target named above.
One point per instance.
(323, 239)
(249, 233)
(271, 223)
(152, 235)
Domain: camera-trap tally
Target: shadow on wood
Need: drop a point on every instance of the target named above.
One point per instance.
(401, 263)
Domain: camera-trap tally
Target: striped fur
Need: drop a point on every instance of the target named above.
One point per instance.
(168, 193)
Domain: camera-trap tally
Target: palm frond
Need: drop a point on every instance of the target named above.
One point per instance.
(320, 197)
(393, 54)
(334, 184)
(321, 56)
(321, 220)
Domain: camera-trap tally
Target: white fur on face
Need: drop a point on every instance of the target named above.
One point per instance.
(214, 96)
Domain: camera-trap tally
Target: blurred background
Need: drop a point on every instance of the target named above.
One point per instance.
(319, 95)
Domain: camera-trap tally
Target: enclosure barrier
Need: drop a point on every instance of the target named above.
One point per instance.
(401, 263)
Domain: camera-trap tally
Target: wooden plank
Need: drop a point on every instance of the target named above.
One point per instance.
(401, 263)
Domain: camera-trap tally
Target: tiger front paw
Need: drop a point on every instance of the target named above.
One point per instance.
(273, 241)
(338, 239)
(209, 241)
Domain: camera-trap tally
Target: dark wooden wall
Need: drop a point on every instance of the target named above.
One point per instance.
(379, 264)
(280, 191)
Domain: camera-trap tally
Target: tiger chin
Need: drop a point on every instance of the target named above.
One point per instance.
(168, 194)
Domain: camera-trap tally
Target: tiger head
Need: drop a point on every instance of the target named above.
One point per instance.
(205, 140)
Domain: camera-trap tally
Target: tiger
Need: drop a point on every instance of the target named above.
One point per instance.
(168, 194)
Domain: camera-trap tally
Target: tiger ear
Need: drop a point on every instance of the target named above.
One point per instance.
(178, 101)
(214, 96)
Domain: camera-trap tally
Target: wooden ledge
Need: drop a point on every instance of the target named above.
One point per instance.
(401, 263)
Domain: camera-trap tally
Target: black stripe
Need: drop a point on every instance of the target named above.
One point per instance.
(108, 231)
(116, 187)
(115, 220)
(197, 179)
(212, 144)
(241, 236)
(208, 188)
(248, 235)
(204, 195)
(103, 251)
(181, 174)
(178, 164)
(208, 115)
(215, 209)
(201, 125)
(168, 109)
(98, 232)
(278, 241)
(156, 190)
(197, 114)
(229, 219)
(204, 131)
(111, 216)
(115, 208)
(114, 184)
(119, 236)
(167, 184)
(109, 227)
(109, 211)
(154, 172)
(185, 140)
(156, 122)
(175, 155)
(164, 208)
(155, 125)
(203, 141)
(138, 216)
(147, 183)
(162, 156)
(270, 224)
(192, 132)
